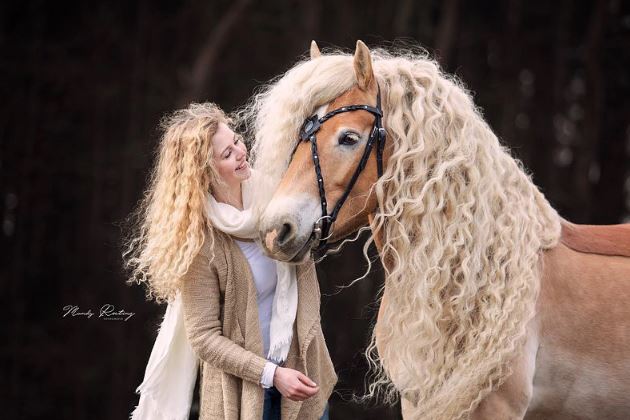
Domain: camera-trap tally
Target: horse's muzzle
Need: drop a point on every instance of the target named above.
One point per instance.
(282, 241)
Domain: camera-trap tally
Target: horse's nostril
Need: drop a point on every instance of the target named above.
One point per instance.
(285, 234)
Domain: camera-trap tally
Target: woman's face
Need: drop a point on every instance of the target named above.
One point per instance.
(230, 156)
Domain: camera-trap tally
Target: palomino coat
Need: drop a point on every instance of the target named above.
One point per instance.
(221, 318)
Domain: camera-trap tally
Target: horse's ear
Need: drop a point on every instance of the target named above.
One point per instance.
(314, 50)
(363, 66)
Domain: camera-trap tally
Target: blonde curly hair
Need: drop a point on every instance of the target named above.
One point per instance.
(170, 224)
(463, 227)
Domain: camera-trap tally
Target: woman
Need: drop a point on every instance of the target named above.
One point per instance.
(253, 323)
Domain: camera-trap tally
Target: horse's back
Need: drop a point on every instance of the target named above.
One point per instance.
(597, 239)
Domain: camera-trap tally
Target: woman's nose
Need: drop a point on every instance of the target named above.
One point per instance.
(242, 152)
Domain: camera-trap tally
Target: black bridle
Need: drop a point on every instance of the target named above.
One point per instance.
(321, 229)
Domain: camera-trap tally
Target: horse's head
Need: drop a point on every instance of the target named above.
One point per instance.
(338, 143)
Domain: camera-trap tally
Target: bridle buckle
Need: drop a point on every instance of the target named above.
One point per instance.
(310, 127)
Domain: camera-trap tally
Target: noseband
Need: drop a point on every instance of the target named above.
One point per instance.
(308, 132)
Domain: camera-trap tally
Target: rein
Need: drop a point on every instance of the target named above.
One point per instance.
(308, 132)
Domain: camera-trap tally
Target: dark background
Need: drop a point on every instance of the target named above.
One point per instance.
(84, 85)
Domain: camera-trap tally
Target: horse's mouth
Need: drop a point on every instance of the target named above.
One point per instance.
(291, 256)
(303, 253)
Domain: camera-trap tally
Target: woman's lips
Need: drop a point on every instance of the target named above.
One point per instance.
(242, 166)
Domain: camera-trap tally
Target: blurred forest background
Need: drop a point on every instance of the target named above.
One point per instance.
(84, 85)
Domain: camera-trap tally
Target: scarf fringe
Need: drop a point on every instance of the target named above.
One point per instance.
(149, 408)
(280, 350)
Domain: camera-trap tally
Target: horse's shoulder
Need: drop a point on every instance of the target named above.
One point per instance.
(597, 239)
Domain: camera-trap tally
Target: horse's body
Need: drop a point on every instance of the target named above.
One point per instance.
(573, 359)
(576, 360)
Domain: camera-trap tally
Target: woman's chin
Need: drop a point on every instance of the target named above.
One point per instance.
(244, 174)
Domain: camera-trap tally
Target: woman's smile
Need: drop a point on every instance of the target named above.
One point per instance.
(243, 165)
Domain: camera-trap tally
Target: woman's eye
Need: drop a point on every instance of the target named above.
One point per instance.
(348, 139)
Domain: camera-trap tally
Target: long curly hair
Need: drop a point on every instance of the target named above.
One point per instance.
(171, 223)
(463, 227)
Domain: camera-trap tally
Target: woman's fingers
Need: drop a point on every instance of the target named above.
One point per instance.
(297, 395)
(306, 380)
(294, 385)
(309, 387)
(304, 387)
(301, 391)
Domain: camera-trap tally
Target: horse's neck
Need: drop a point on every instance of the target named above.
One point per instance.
(379, 241)
(378, 236)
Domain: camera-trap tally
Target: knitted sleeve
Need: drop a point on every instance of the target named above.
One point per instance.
(202, 307)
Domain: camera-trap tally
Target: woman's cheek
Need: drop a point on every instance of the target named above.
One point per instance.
(224, 169)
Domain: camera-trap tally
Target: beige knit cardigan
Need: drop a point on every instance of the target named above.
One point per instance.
(221, 319)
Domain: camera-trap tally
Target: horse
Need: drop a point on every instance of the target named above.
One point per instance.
(494, 306)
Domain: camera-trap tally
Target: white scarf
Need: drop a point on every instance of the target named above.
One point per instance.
(169, 378)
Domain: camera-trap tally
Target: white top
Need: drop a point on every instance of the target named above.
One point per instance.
(265, 278)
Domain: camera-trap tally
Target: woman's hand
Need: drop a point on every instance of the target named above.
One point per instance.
(294, 384)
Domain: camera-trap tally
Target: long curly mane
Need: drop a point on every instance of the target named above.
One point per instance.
(463, 227)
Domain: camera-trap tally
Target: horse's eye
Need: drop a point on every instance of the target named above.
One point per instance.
(348, 139)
